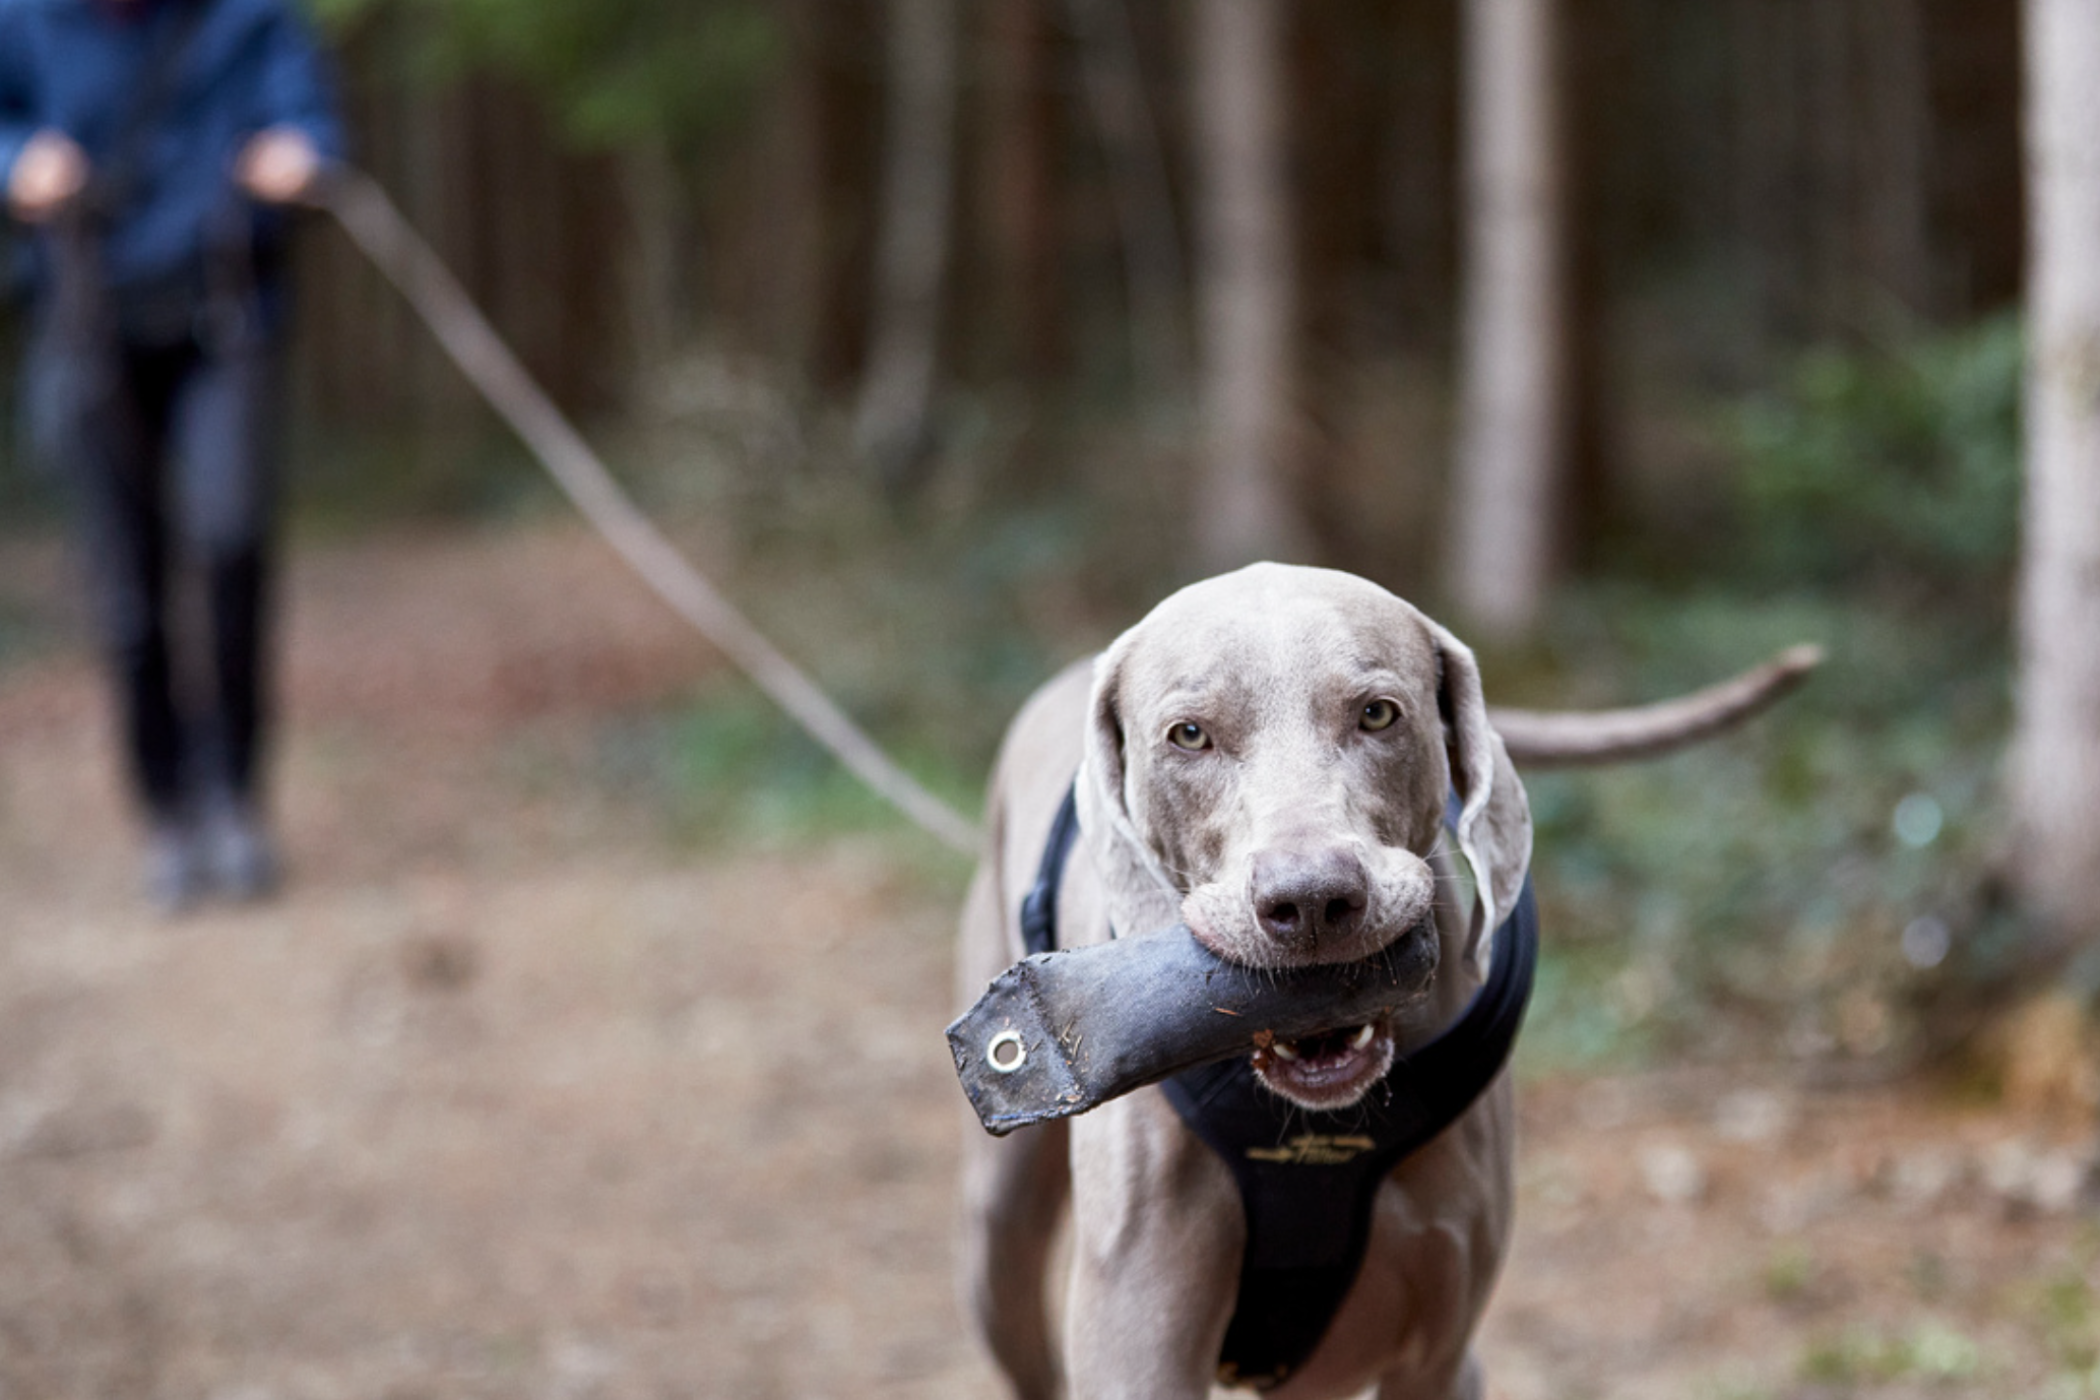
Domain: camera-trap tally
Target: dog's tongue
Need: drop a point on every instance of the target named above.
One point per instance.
(1060, 1033)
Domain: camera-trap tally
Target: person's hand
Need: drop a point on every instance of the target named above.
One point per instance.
(279, 165)
(49, 173)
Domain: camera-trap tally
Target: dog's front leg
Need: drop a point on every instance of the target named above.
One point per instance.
(1013, 1193)
(1156, 1238)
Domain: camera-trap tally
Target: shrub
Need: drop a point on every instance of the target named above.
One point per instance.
(1889, 466)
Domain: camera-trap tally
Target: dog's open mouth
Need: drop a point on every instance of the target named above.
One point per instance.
(1330, 1069)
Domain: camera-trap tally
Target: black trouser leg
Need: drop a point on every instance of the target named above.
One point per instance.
(153, 730)
(110, 459)
(222, 443)
(173, 467)
(238, 605)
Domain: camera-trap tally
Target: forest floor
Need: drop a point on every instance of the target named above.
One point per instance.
(516, 1092)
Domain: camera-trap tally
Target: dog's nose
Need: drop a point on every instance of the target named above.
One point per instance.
(1303, 899)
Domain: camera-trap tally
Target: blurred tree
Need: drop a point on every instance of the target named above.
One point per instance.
(837, 78)
(1145, 215)
(1892, 200)
(616, 71)
(527, 223)
(1347, 152)
(1244, 507)
(617, 179)
(654, 87)
(2056, 765)
(1513, 377)
(893, 425)
(1022, 225)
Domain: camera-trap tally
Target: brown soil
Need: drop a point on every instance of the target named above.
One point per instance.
(512, 1094)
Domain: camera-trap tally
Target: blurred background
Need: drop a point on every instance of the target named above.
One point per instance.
(1636, 339)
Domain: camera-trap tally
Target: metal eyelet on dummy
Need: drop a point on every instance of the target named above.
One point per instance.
(1006, 1053)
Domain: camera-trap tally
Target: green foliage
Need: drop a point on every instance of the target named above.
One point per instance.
(1789, 1272)
(1929, 1351)
(1813, 882)
(730, 770)
(1795, 871)
(1900, 463)
(349, 481)
(1590, 1008)
(616, 71)
(738, 762)
(2068, 1313)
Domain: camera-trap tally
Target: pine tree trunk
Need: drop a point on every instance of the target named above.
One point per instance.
(1765, 124)
(893, 421)
(1245, 509)
(1137, 170)
(840, 101)
(1513, 394)
(2056, 765)
(1896, 157)
(1023, 218)
(653, 282)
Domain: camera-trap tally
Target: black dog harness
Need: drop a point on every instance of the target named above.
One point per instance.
(1308, 1180)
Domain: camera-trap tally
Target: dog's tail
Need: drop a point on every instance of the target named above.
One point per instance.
(1566, 738)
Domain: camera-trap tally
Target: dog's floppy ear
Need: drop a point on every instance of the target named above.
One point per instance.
(1142, 896)
(1494, 817)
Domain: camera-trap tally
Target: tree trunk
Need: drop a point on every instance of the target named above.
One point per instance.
(2056, 756)
(1585, 80)
(1245, 508)
(1829, 107)
(438, 190)
(1514, 381)
(653, 282)
(1137, 170)
(1023, 215)
(1419, 175)
(840, 105)
(1765, 126)
(893, 421)
(1977, 190)
(1896, 158)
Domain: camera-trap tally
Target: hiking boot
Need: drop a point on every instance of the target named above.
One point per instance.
(237, 851)
(174, 873)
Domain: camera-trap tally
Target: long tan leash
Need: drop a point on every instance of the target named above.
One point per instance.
(378, 228)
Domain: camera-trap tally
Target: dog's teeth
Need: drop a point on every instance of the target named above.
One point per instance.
(1285, 1049)
(1362, 1037)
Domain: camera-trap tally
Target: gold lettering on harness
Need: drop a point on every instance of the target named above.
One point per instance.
(1314, 1150)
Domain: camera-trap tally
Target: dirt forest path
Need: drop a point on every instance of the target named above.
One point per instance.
(511, 1094)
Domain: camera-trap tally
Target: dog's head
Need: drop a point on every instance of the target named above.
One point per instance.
(1269, 757)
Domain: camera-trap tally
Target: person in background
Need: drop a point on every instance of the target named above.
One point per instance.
(153, 146)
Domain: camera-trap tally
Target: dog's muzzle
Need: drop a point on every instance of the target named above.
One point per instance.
(1060, 1033)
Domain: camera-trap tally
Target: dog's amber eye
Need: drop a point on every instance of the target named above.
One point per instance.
(1188, 735)
(1377, 715)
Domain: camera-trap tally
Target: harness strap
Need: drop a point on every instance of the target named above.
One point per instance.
(1308, 1181)
(1039, 907)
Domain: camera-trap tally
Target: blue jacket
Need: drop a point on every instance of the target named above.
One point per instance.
(246, 65)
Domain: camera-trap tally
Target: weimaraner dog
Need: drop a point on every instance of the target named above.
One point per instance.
(1270, 757)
